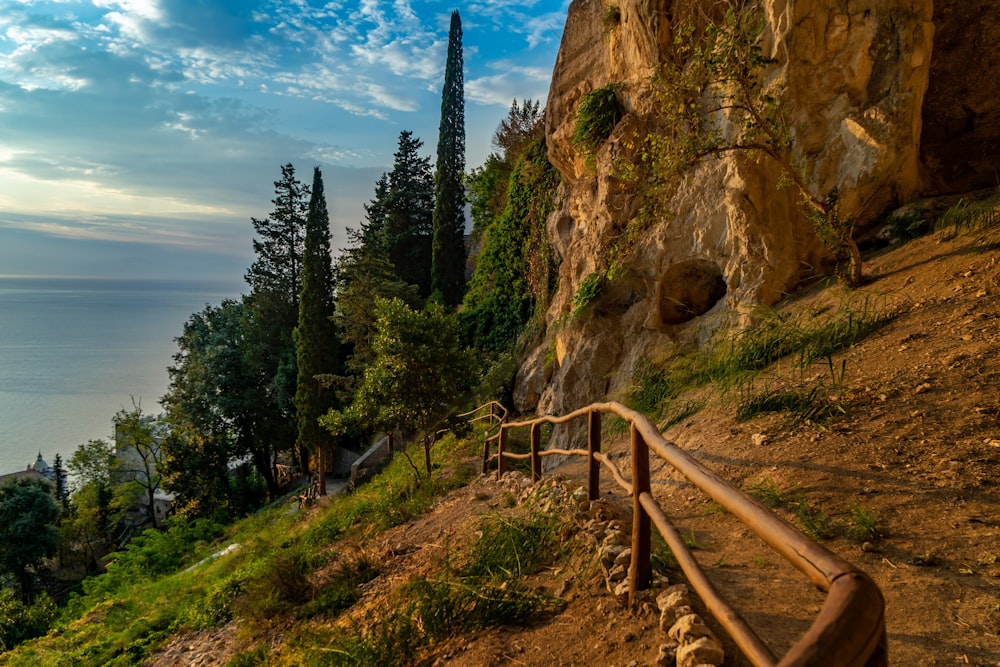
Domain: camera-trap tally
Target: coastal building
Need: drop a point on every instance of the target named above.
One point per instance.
(38, 469)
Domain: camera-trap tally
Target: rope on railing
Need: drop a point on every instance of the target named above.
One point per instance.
(849, 630)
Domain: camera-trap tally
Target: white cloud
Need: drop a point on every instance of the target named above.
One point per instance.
(514, 82)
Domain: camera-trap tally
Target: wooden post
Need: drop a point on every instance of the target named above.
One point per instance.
(501, 446)
(640, 571)
(427, 454)
(321, 464)
(594, 446)
(486, 450)
(536, 449)
(388, 436)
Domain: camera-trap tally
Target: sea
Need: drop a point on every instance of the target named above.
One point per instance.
(75, 351)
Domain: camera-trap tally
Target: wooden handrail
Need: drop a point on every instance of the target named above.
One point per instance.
(849, 630)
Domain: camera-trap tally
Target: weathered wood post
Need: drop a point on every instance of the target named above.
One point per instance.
(486, 450)
(536, 452)
(501, 447)
(594, 446)
(640, 571)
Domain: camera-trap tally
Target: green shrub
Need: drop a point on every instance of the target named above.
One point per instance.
(612, 17)
(20, 622)
(598, 113)
(590, 290)
(862, 524)
(510, 548)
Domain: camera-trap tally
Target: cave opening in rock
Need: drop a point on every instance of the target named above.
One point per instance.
(689, 289)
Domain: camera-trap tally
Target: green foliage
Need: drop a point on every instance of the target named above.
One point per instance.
(28, 535)
(448, 243)
(138, 440)
(20, 622)
(513, 547)
(969, 215)
(152, 554)
(342, 589)
(420, 369)
(448, 608)
(768, 491)
(212, 410)
(275, 280)
(805, 339)
(806, 404)
(596, 116)
(862, 524)
(590, 290)
(612, 17)
(813, 521)
(515, 270)
(315, 336)
(399, 225)
(487, 591)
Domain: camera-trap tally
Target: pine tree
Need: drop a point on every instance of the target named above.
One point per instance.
(448, 250)
(315, 336)
(408, 209)
(275, 280)
(62, 494)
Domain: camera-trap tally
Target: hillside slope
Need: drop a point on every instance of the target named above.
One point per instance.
(903, 483)
(918, 450)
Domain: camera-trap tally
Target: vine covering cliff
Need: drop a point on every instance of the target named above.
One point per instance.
(881, 104)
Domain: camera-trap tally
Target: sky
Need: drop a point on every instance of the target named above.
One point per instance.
(138, 137)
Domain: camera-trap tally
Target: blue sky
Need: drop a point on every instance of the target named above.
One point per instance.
(138, 137)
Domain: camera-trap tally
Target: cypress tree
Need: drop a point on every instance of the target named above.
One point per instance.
(315, 336)
(448, 249)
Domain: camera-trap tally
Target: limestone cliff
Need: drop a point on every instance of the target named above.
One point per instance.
(875, 106)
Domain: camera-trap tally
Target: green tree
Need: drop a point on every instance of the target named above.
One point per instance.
(362, 275)
(91, 526)
(407, 208)
(62, 493)
(448, 249)
(419, 371)
(316, 336)
(275, 280)
(212, 408)
(137, 447)
(20, 622)
(28, 534)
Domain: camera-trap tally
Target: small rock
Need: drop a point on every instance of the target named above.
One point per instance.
(614, 537)
(758, 439)
(617, 573)
(689, 628)
(667, 654)
(621, 592)
(611, 552)
(624, 558)
(922, 387)
(673, 597)
(702, 651)
(868, 547)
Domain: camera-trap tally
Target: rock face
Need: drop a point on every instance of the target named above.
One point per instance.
(874, 108)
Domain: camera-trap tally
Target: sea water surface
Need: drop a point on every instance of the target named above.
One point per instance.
(74, 351)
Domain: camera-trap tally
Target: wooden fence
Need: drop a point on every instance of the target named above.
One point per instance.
(849, 630)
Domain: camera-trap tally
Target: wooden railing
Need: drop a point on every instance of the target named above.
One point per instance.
(850, 627)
